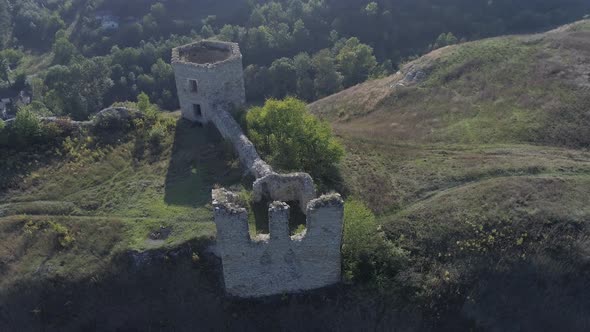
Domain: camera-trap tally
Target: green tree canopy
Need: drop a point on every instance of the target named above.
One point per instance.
(63, 51)
(356, 61)
(283, 76)
(445, 39)
(327, 79)
(292, 139)
(78, 90)
(27, 126)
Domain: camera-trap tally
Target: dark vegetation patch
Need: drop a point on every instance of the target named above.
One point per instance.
(164, 294)
(528, 231)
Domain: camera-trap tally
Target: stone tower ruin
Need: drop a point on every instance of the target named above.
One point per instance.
(209, 76)
(210, 83)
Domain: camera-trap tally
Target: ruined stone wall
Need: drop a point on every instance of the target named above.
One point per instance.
(279, 263)
(275, 263)
(285, 188)
(220, 85)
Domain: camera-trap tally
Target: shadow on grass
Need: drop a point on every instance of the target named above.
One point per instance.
(200, 160)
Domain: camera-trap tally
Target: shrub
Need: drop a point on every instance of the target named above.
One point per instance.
(114, 120)
(3, 133)
(27, 126)
(65, 239)
(156, 135)
(146, 107)
(51, 131)
(293, 139)
(368, 256)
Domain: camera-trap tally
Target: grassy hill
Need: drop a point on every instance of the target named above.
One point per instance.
(476, 159)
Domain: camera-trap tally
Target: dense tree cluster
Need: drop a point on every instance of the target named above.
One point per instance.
(288, 136)
(303, 48)
(310, 77)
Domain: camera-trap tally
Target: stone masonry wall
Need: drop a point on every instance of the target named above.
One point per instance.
(279, 263)
(285, 188)
(231, 131)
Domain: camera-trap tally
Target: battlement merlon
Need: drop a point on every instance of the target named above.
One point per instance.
(325, 218)
(278, 220)
(231, 218)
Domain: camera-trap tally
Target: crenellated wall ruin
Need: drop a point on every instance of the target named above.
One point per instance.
(279, 263)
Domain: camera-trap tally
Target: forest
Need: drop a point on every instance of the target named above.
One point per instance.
(75, 57)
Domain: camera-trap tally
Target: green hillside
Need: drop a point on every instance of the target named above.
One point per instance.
(529, 89)
(475, 158)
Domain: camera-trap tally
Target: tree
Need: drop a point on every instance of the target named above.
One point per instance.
(229, 33)
(78, 90)
(304, 70)
(372, 9)
(293, 139)
(327, 79)
(5, 71)
(158, 11)
(143, 102)
(283, 77)
(301, 34)
(207, 31)
(445, 39)
(256, 18)
(131, 34)
(163, 75)
(5, 21)
(63, 51)
(27, 126)
(367, 254)
(356, 62)
(258, 82)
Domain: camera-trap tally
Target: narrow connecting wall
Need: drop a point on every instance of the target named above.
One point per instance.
(209, 78)
(231, 131)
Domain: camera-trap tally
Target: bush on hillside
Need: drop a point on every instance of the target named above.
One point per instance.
(156, 135)
(27, 126)
(292, 139)
(3, 133)
(368, 256)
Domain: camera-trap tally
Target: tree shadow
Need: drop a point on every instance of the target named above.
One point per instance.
(200, 160)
